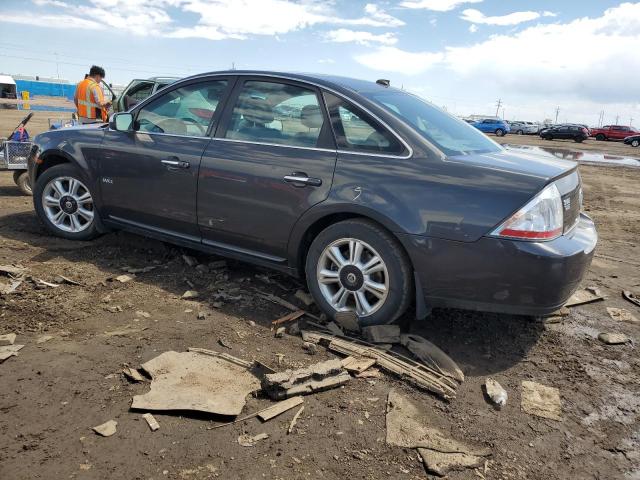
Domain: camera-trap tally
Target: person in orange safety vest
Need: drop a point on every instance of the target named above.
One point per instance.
(89, 99)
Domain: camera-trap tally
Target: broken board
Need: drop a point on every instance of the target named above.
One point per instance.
(196, 382)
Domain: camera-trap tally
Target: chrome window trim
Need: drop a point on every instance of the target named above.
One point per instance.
(329, 89)
(234, 140)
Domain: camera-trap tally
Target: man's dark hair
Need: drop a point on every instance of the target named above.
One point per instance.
(95, 70)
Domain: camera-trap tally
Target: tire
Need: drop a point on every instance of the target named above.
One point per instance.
(548, 137)
(519, 132)
(635, 143)
(397, 273)
(600, 137)
(578, 139)
(64, 174)
(500, 132)
(21, 178)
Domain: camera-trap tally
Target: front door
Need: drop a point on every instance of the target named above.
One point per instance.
(149, 175)
(272, 159)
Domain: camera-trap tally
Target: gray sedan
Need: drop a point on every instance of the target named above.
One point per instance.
(373, 196)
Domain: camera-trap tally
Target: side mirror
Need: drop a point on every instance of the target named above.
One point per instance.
(121, 122)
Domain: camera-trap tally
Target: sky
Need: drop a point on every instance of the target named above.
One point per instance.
(577, 57)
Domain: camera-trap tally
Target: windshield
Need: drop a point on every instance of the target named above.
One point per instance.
(449, 134)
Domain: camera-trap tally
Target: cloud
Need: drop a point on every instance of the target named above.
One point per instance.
(344, 35)
(392, 59)
(473, 28)
(523, 65)
(436, 5)
(476, 16)
(51, 21)
(215, 19)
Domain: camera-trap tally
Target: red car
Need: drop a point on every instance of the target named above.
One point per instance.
(613, 132)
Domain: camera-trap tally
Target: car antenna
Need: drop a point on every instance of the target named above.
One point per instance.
(384, 82)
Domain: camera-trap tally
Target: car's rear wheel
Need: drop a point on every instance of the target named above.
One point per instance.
(64, 203)
(519, 132)
(578, 139)
(600, 137)
(358, 266)
(548, 137)
(21, 179)
(499, 132)
(635, 143)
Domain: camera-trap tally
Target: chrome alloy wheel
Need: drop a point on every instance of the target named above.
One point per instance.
(353, 277)
(68, 204)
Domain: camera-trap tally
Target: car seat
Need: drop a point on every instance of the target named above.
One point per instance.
(310, 117)
(257, 113)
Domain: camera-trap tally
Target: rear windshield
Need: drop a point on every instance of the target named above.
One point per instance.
(449, 134)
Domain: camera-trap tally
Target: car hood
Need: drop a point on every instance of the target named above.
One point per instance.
(531, 164)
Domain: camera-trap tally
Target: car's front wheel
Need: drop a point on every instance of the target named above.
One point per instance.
(21, 178)
(600, 137)
(64, 203)
(578, 139)
(519, 132)
(500, 132)
(635, 143)
(358, 266)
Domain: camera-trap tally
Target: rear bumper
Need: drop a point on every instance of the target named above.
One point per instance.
(499, 275)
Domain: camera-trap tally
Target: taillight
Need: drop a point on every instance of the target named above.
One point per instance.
(585, 131)
(540, 219)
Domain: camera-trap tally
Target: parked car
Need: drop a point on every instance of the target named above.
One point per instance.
(372, 195)
(523, 128)
(492, 125)
(613, 132)
(633, 140)
(138, 90)
(577, 133)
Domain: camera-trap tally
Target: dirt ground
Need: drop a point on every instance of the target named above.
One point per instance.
(54, 392)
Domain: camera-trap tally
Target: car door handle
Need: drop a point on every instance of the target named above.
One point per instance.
(300, 179)
(173, 163)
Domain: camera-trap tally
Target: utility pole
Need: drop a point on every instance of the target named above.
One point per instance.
(498, 105)
(557, 112)
(601, 118)
(617, 118)
(630, 121)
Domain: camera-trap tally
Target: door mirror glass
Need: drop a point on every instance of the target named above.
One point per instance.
(122, 122)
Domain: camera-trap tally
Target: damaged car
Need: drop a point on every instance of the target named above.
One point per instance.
(375, 197)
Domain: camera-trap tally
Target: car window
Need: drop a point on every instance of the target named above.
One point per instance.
(356, 130)
(563, 129)
(140, 91)
(280, 113)
(182, 111)
(448, 133)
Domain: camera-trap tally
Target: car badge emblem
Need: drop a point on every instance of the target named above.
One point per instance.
(567, 203)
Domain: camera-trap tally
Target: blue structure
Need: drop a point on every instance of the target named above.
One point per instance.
(50, 89)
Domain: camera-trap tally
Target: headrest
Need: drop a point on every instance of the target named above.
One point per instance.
(311, 117)
(257, 110)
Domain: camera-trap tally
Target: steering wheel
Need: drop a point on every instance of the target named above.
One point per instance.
(202, 129)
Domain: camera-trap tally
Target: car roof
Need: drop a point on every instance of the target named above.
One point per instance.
(329, 81)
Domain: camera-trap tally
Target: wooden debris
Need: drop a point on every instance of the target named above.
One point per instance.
(282, 302)
(11, 288)
(631, 297)
(151, 421)
(294, 420)
(348, 321)
(369, 373)
(422, 376)
(63, 279)
(540, 400)
(250, 441)
(315, 378)
(7, 339)
(124, 278)
(382, 333)
(42, 283)
(431, 355)
(12, 270)
(334, 328)
(622, 315)
(581, 297)
(225, 356)
(279, 408)
(106, 429)
(613, 338)
(289, 317)
(357, 365)
(9, 351)
(133, 374)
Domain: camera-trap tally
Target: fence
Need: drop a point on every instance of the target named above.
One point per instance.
(35, 87)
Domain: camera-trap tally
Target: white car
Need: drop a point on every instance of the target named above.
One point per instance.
(524, 128)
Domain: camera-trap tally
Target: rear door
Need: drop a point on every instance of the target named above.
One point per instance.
(149, 175)
(272, 158)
